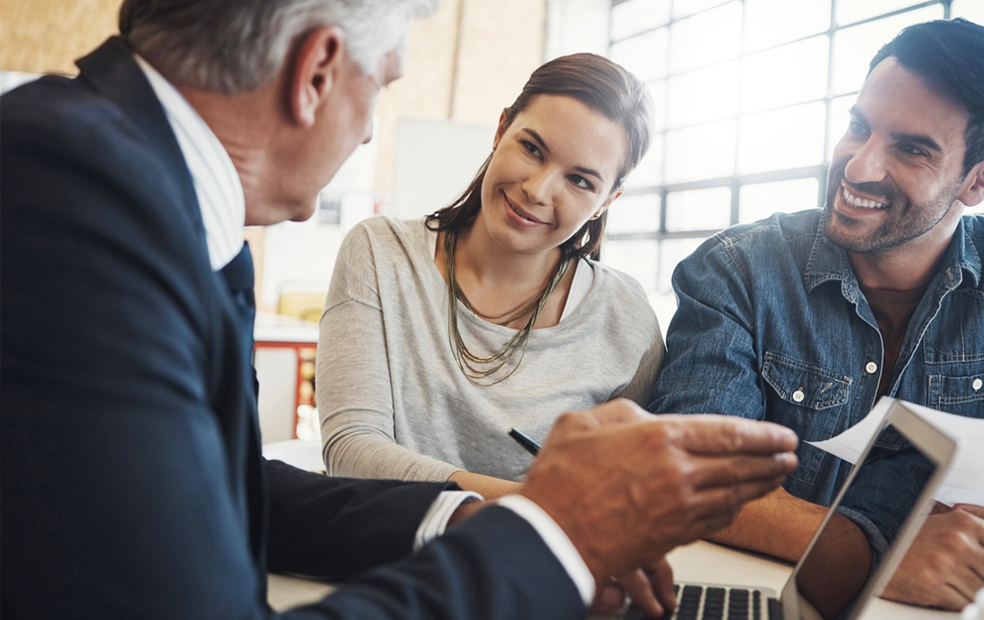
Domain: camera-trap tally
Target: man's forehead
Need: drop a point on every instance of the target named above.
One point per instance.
(907, 101)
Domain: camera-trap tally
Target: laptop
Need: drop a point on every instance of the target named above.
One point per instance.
(732, 602)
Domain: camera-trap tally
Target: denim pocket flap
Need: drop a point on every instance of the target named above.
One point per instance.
(804, 385)
(957, 390)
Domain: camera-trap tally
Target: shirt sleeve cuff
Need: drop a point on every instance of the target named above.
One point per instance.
(556, 540)
(436, 518)
(876, 540)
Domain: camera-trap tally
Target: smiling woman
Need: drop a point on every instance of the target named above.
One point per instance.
(440, 334)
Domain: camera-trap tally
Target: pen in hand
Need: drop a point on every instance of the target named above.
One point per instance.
(528, 444)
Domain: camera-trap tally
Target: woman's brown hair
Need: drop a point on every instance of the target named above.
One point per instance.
(598, 83)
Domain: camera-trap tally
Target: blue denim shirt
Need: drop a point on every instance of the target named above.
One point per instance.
(772, 325)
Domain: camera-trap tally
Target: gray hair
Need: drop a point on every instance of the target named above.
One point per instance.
(234, 46)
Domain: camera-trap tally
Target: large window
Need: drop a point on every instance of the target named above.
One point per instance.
(751, 97)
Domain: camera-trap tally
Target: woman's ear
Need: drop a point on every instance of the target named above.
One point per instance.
(313, 72)
(604, 206)
(500, 130)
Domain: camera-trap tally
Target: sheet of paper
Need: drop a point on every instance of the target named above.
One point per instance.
(965, 481)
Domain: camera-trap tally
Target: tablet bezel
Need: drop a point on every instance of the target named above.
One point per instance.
(940, 450)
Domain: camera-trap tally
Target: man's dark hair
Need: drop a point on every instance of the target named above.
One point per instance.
(949, 55)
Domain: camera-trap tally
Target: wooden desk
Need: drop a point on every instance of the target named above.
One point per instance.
(699, 561)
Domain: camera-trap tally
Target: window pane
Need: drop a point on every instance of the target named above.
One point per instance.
(638, 213)
(840, 116)
(698, 209)
(968, 9)
(671, 252)
(759, 201)
(635, 16)
(636, 258)
(644, 55)
(649, 172)
(703, 95)
(855, 47)
(701, 152)
(771, 22)
(785, 75)
(658, 92)
(683, 8)
(706, 38)
(850, 11)
(782, 139)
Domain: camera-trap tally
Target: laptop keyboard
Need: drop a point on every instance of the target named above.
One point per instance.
(697, 602)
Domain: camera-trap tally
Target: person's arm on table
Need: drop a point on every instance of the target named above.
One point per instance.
(944, 567)
(487, 486)
(331, 528)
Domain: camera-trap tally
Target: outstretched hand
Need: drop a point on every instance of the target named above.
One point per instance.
(627, 486)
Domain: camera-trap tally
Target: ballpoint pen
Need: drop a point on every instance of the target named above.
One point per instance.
(531, 446)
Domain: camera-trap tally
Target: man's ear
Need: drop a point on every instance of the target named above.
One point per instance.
(973, 192)
(314, 71)
(606, 204)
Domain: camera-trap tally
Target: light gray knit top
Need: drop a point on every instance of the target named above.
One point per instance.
(392, 400)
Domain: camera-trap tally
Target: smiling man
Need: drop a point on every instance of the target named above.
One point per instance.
(807, 319)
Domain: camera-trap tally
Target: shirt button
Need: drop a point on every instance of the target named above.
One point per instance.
(977, 384)
(798, 395)
(871, 367)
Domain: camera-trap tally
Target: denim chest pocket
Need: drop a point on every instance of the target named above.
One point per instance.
(957, 392)
(954, 356)
(807, 399)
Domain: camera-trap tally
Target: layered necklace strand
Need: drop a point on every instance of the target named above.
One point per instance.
(476, 368)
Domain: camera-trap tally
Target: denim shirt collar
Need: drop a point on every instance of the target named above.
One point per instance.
(830, 262)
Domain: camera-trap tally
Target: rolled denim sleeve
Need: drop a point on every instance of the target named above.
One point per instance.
(711, 363)
(879, 497)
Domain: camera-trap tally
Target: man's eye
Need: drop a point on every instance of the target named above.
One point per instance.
(909, 149)
(856, 128)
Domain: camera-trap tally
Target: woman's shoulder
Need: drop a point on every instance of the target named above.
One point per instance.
(618, 297)
(618, 287)
(384, 234)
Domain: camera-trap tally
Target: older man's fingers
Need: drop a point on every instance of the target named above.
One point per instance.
(716, 434)
(726, 471)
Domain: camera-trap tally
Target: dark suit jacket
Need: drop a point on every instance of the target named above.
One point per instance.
(132, 482)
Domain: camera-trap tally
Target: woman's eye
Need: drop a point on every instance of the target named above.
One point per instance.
(531, 148)
(581, 182)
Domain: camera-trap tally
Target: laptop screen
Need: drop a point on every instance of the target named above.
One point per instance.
(828, 578)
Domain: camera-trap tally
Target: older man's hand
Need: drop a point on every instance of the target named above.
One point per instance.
(627, 486)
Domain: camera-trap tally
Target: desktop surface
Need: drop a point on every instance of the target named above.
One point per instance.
(699, 561)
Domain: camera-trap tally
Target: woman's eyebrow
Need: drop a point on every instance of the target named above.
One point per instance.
(543, 145)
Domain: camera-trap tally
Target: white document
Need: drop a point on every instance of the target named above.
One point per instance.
(964, 484)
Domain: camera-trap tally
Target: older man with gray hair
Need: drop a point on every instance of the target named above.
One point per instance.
(132, 481)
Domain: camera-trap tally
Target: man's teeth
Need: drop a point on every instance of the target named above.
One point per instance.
(861, 203)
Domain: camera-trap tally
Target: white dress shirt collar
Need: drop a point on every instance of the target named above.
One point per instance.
(217, 185)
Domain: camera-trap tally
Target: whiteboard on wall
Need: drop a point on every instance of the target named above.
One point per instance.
(435, 161)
